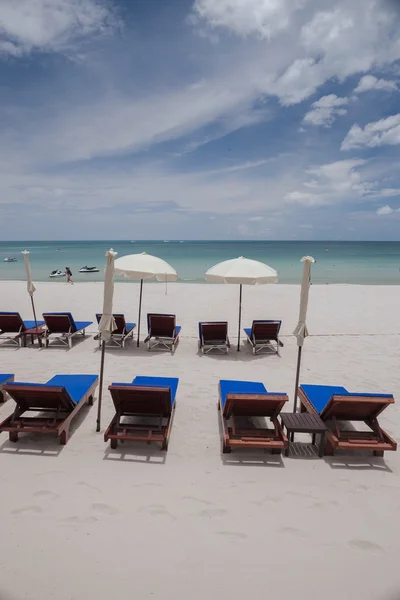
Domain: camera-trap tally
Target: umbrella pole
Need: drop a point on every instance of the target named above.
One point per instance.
(103, 347)
(240, 317)
(297, 378)
(140, 311)
(34, 311)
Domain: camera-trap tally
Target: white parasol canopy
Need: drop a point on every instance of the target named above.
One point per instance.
(29, 283)
(301, 331)
(107, 322)
(242, 271)
(144, 267)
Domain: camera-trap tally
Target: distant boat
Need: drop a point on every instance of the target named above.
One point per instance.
(8, 259)
(166, 241)
(57, 273)
(326, 250)
(89, 270)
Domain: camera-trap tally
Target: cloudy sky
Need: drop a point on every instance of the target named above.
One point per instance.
(200, 119)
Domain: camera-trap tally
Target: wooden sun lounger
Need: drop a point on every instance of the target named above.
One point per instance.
(123, 332)
(64, 326)
(262, 333)
(250, 399)
(144, 398)
(62, 397)
(342, 405)
(4, 379)
(162, 331)
(214, 336)
(12, 323)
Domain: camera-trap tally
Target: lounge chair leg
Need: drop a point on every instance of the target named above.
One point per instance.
(2, 397)
(69, 342)
(329, 449)
(226, 449)
(378, 453)
(114, 444)
(164, 445)
(13, 436)
(63, 438)
(90, 400)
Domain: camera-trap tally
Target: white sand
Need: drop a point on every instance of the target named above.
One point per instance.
(82, 521)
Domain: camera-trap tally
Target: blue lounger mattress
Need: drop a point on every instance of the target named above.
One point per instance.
(229, 386)
(4, 377)
(143, 381)
(319, 395)
(76, 385)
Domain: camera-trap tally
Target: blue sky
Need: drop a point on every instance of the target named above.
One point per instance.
(200, 119)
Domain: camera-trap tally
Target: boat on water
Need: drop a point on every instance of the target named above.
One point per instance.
(87, 269)
(9, 259)
(57, 273)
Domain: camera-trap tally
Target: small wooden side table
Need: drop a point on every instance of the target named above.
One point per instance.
(304, 423)
(34, 331)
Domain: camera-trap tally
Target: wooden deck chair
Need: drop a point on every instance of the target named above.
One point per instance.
(250, 399)
(123, 332)
(4, 379)
(12, 323)
(162, 331)
(62, 397)
(145, 398)
(214, 336)
(64, 327)
(262, 333)
(334, 404)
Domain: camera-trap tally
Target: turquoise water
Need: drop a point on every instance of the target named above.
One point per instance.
(337, 262)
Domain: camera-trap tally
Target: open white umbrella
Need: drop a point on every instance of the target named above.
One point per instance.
(301, 331)
(107, 322)
(30, 287)
(242, 271)
(144, 267)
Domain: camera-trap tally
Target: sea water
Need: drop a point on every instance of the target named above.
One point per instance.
(337, 262)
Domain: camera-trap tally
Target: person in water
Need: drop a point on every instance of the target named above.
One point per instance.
(68, 273)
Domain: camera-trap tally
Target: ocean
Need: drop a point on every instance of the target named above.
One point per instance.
(337, 262)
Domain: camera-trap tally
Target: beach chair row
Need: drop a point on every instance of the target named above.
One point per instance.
(162, 331)
(144, 411)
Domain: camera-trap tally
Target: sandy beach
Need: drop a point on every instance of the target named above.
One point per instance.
(85, 521)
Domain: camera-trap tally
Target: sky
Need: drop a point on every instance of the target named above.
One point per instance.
(200, 119)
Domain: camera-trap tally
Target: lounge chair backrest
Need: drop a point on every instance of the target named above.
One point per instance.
(31, 396)
(254, 405)
(265, 330)
(213, 331)
(141, 400)
(119, 321)
(59, 322)
(161, 325)
(11, 322)
(355, 408)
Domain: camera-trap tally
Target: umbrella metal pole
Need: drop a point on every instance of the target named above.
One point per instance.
(34, 311)
(240, 317)
(297, 378)
(98, 422)
(140, 311)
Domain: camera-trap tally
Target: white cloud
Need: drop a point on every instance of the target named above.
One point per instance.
(256, 219)
(379, 133)
(386, 210)
(325, 110)
(264, 18)
(27, 25)
(369, 82)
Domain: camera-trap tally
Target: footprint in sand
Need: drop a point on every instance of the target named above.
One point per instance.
(291, 531)
(45, 494)
(156, 510)
(87, 485)
(213, 512)
(234, 534)
(200, 500)
(33, 509)
(366, 546)
(76, 519)
(105, 509)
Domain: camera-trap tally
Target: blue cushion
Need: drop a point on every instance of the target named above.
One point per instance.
(32, 324)
(247, 331)
(76, 385)
(371, 395)
(129, 327)
(4, 312)
(177, 330)
(319, 395)
(4, 377)
(169, 382)
(79, 325)
(228, 386)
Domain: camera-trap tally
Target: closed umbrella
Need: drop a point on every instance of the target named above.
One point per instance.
(144, 267)
(107, 322)
(30, 287)
(301, 331)
(242, 271)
